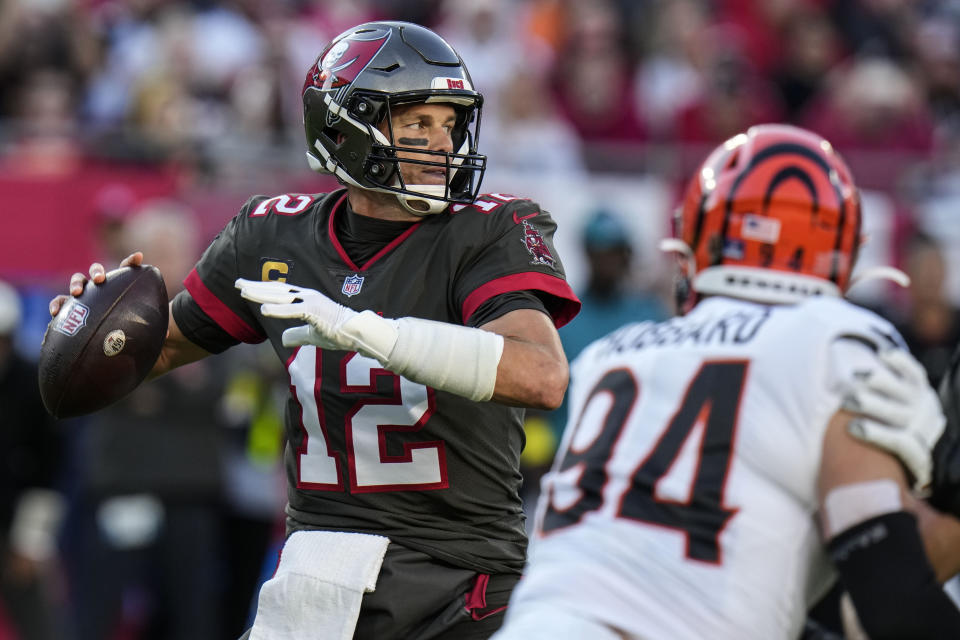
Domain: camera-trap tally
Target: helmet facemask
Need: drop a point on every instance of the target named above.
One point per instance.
(463, 167)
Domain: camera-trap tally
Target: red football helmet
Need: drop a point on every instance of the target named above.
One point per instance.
(772, 215)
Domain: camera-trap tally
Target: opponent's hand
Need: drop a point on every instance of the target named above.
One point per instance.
(899, 412)
(97, 275)
(329, 325)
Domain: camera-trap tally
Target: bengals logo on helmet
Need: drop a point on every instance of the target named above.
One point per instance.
(777, 198)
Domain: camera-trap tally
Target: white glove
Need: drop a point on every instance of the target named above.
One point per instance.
(899, 412)
(329, 325)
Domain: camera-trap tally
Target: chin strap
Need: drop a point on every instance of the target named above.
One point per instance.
(420, 203)
(427, 199)
(881, 273)
(676, 245)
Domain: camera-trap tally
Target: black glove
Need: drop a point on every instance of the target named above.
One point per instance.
(945, 490)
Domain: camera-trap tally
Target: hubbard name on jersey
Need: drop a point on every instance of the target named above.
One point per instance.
(693, 450)
(368, 450)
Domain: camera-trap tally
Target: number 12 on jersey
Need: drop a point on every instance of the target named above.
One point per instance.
(373, 419)
(712, 399)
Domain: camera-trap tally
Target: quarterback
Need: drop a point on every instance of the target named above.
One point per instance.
(416, 318)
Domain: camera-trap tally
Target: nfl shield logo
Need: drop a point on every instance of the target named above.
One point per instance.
(74, 319)
(352, 284)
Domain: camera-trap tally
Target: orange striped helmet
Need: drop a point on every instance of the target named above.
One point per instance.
(772, 215)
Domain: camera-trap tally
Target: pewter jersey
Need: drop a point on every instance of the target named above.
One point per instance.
(367, 450)
(682, 503)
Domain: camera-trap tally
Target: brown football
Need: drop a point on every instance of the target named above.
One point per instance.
(103, 343)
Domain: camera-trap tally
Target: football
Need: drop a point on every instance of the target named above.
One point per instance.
(103, 343)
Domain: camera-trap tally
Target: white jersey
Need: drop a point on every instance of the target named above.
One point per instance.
(683, 499)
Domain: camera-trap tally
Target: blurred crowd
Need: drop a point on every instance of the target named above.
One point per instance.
(204, 93)
(210, 85)
(160, 115)
(199, 100)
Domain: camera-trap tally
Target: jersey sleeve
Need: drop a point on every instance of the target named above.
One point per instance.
(503, 304)
(857, 338)
(214, 308)
(198, 327)
(518, 255)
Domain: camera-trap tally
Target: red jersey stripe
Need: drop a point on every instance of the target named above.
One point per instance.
(219, 312)
(523, 281)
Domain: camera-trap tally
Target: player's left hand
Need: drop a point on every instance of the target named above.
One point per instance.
(330, 325)
(899, 412)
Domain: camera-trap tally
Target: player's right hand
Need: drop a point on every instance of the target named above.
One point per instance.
(97, 275)
(330, 325)
(899, 412)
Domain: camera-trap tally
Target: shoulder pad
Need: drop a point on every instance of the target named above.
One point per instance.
(845, 320)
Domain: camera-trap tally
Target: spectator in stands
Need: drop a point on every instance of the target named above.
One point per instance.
(758, 27)
(252, 407)
(810, 49)
(529, 137)
(610, 296)
(44, 136)
(148, 538)
(30, 508)
(53, 35)
(611, 299)
(670, 77)
(735, 95)
(592, 77)
(873, 105)
(490, 36)
(937, 43)
(876, 27)
(929, 322)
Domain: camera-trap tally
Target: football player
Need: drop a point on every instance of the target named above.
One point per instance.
(713, 479)
(416, 318)
(945, 490)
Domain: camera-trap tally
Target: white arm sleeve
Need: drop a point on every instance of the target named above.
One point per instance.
(460, 360)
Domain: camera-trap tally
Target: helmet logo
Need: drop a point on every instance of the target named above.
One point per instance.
(352, 285)
(333, 56)
(345, 60)
(536, 245)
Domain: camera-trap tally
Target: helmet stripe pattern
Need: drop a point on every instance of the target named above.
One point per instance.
(777, 203)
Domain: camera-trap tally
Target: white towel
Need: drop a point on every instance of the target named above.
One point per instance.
(319, 584)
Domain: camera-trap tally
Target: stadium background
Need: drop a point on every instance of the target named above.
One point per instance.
(108, 107)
